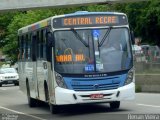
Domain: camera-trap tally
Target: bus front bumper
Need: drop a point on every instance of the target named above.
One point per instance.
(65, 96)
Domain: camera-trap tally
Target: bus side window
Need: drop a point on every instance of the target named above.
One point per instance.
(28, 47)
(48, 46)
(21, 48)
(34, 47)
(38, 44)
(25, 54)
(43, 44)
(45, 47)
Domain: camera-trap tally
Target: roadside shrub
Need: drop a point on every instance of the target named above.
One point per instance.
(138, 89)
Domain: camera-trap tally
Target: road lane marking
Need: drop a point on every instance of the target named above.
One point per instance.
(148, 74)
(149, 105)
(17, 112)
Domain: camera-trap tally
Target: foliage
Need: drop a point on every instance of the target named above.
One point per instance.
(144, 18)
(1, 63)
(20, 20)
(138, 89)
(5, 19)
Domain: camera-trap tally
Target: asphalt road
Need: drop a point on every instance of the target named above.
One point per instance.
(13, 106)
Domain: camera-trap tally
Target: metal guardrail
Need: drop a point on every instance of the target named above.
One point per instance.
(147, 65)
(148, 59)
(148, 54)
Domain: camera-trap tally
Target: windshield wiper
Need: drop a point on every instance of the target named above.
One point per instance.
(79, 37)
(105, 36)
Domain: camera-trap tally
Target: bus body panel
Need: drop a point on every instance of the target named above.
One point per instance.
(42, 73)
(64, 96)
(27, 74)
(87, 84)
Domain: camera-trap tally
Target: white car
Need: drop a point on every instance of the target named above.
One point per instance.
(8, 76)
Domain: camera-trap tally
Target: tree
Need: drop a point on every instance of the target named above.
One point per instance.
(19, 20)
(149, 24)
(144, 19)
(5, 19)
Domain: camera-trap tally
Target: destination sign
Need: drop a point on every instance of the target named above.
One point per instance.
(70, 58)
(89, 21)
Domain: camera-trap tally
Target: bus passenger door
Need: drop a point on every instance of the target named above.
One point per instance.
(41, 73)
(34, 82)
(41, 64)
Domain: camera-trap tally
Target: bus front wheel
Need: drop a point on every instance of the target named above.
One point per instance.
(115, 105)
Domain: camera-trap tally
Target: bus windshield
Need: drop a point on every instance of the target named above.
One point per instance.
(105, 50)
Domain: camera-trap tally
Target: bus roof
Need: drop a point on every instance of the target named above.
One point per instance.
(34, 26)
(47, 22)
(86, 12)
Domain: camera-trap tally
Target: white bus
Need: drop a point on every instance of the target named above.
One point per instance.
(83, 57)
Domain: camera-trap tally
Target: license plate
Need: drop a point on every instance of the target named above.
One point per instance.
(96, 96)
(10, 81)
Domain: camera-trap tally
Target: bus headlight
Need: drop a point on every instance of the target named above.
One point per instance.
(59, 80)
(129, 77)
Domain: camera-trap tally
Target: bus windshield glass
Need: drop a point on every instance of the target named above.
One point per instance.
(99, 50)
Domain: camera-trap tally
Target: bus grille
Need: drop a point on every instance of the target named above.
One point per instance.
(95, 85)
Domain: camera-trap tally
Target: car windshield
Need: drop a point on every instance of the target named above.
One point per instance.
(92, 50)
(7, 70)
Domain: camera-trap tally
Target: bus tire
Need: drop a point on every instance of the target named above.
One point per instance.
(0, 85)
(16, 84)
(46, 92)
(115, 105)
(31, 101)
(55, 109)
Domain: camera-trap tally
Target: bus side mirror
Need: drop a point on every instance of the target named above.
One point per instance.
(50, 39)
(132, 37)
